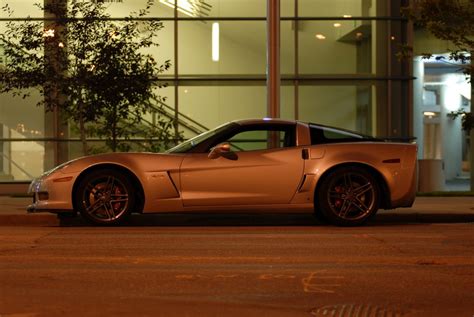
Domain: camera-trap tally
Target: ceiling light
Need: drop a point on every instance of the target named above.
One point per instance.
(347, 16)
(48, 33)
(429, 113)
(337, 25)
(320, 37)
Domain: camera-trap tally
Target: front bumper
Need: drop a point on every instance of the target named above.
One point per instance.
(50, 195)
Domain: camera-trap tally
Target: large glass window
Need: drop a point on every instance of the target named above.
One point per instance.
(221, 47)
(21, 160)
(342, 8)
(348, 107)
(335, 47)
(214, 105)
(337, 58)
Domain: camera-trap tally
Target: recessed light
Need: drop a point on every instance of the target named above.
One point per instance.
(337, 25)
(320, 37)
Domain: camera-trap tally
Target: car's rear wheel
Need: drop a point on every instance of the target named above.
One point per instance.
(105, 197)
(348, 196)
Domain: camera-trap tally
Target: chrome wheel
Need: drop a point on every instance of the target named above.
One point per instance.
(105, 197)
(351, 196)
(348, 196)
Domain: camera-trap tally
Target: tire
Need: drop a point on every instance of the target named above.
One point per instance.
(348, 196)
(105, 197)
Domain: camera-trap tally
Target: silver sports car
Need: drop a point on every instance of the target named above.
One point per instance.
(261, 164)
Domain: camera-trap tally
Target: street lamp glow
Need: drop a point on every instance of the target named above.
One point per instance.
(215, 42)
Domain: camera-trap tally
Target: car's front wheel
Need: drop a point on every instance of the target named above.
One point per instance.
(348, 196)
(105, 197)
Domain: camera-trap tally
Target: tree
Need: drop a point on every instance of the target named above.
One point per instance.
(97, 71)
(453, 21)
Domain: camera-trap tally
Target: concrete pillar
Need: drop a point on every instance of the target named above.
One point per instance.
(450, 129)
(419, 74)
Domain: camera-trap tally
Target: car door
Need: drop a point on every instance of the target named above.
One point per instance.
(255, 173)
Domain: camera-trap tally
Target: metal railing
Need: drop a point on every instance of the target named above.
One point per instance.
(17, 166)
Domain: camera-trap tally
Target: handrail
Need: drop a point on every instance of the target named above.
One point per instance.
(180, 121)
(182, 115)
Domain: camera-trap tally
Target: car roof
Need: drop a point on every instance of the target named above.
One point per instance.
(264, 121)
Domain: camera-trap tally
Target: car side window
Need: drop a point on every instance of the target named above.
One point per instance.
(322, 134)
(258, 139)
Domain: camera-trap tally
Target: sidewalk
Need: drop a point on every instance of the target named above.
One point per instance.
(425, 210)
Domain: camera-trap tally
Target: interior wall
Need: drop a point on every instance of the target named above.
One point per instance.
(439, 89)
(329, 105)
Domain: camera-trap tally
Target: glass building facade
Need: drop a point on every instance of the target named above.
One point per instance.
(337, 66)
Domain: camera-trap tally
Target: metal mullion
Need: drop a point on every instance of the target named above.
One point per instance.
(176, 83)
(63, 140)
(333, 18)
(296, 82)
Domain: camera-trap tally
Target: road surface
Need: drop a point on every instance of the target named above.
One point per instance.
(235, 266)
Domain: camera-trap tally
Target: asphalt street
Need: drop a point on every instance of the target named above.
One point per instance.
(242, 265)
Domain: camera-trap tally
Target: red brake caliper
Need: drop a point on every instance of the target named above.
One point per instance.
(117, 192)
(338, 201)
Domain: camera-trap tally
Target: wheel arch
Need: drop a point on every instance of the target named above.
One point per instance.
(382, 183)
(119, 168)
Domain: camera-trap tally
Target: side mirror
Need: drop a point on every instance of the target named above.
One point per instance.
(222, 149)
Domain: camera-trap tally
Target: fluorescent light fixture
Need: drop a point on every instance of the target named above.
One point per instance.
(183, 6)
(429, 113)
(215, 41)
(337, 25)
(320, 37)
(192, 8)
(347, 16)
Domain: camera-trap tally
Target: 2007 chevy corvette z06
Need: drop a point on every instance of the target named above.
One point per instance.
(257, 164)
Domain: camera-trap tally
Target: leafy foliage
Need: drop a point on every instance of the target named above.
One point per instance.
(453, 21)
(96, 70)
(450, 20)
(467, 119)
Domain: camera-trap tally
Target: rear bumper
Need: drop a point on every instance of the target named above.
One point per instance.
(408, 198)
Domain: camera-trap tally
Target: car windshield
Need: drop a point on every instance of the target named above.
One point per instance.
(193, 142)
